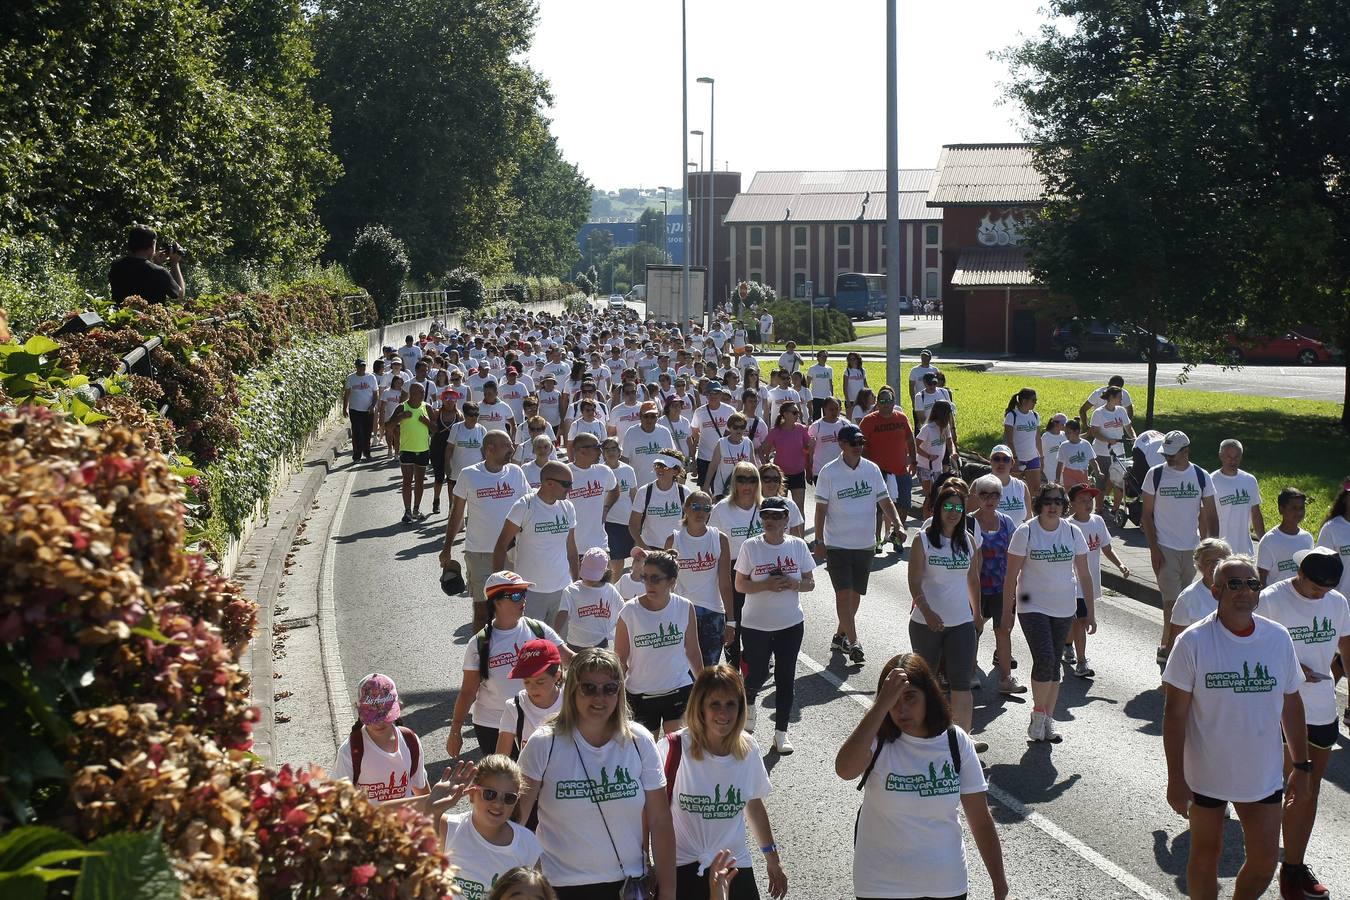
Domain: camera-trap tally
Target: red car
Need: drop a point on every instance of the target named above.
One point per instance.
(1291, 348)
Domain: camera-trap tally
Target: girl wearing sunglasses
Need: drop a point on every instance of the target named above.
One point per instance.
(1047, 574)
(657, 640)
(704, 558)
(596, 778)
(737, 516)
(484, 842)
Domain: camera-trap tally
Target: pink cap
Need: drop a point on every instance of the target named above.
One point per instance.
(377, 700)
(594, 562)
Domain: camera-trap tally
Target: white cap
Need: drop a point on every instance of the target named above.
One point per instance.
(1174, 442)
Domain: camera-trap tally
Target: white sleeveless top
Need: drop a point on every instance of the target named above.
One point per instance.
(698, 559)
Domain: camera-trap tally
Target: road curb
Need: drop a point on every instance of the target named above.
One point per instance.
(330, 653)
(1135, 590)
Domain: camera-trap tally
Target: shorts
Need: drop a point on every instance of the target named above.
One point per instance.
(1215, 803)
(620, 540)
(477, 568)
(1081, 612)
(1104, 473)
(954, 645)
(849, 569)
(795, 482)
(1030, 464)
(1323, 737)
(991, 607)
(712, 630)
(1074, 476)
(651, 710)
(901, 488)
(701, 467)
(543, 605)
(414, 458)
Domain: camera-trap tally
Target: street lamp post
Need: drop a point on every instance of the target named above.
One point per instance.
(684, 156)
(665, 218)
(892, 206)
(711, 196)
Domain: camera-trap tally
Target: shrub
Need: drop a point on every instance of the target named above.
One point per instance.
(584, 284)
(37, 282)
(792, 322)
(467, 286)
(379, 263)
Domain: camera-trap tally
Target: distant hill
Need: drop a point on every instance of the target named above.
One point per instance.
(626, 204)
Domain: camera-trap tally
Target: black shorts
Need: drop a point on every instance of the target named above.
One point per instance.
(991, 607)
(1215, 803)
(620, 540)
(1081, 612)
(795, 482)
(414, 458)
(651, 710)
(1323, 737)
(849, 569)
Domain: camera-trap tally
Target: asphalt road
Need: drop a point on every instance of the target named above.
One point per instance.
(1087, 818)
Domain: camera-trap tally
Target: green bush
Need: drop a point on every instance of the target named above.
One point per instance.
(792, 322)
(37, 282)
(379, 263)
(467, 286)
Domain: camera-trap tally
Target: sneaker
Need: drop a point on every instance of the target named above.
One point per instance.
(1083, 670)
(1048, 726)
(1036, 730)
(880, 543)
(435, 507)
(1011, 665)
(855, 653)
(1069, 656)
(407, 518)
(1012, 686)
(839, 643)
(898, 541)
(1162, 656)
(419, 515)
(1299, 883)
(751, 711)
(981, 746)
(781, 744)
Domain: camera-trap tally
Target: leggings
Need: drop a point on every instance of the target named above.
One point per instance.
(784, 645)
(955, 644)
(1045, 637)
(712, 629)
(734, 648)
(689, 885)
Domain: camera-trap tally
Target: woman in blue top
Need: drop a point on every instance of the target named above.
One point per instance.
(996, 529)
(1022, 432)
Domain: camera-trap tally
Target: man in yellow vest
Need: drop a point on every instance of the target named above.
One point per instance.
(414, 441)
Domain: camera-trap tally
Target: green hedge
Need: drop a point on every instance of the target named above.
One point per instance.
(792, 322)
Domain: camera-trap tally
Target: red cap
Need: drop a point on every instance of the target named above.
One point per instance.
(535, 658)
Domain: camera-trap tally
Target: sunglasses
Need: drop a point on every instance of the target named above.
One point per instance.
(491, 794)
(1054, 501)
(701, 507)
(591, 689)
(773, 514)
(770, 479)
(994, 494)
(1237, 584)
(1000, 459)
(953, 507)
(513, 596)
(746, 479)
(652, 578)
(566, 485)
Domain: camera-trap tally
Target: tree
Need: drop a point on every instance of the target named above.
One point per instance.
(652, 227)
(629, 264)
(598, 245)
(552, 198)
(379, 264)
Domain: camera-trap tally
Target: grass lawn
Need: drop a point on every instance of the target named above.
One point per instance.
(1287, 442)
(863, 331)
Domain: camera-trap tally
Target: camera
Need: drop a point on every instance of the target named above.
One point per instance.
(174, 248)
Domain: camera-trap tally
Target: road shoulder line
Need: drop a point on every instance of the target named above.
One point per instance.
(330, 653)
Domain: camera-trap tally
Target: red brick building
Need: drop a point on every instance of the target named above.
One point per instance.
(985, 193)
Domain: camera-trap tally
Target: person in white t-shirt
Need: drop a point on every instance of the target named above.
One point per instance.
(1109, 426)
(359, 393)
(539, 667)
(918, 771)
(822, 438)
(464, 443)
(656, 638)
(1277, 547)
(765, 328)
(1047, 564)
(790, 360)
(1014, 500)
(382, 756)
(916, 374)
(1077, 462)
(594, 774)
(620, 541)
(658, 505)
(1097, 398)
(590, 607)
(1318, 620)
(594, 490)
(1197, 600)
(821, 377)
(1022, 432)
(643, 441)
(1098, 537)
(704, 558)
(484, 842)
(1238, 498)
(1051, 439)
(717, 783)
(1232, 685)
(543, 525)
(1335, 534)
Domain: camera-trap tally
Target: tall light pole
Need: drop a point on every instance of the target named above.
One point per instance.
(711, 196)
(665, 218)
(892, 206)
(697, 233)
(684, 158)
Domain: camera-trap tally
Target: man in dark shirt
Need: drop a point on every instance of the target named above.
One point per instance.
(139, 274)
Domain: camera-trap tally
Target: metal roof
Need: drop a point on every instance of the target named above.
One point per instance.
(808, 207)
(984, 267)
(841, 181)
(913, 208)
(981, 174)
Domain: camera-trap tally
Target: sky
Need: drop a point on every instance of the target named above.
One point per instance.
(800, 85)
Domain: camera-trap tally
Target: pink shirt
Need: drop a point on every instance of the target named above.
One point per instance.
(789, 448)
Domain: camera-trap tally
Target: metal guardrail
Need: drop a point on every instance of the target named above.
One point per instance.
(137, 362)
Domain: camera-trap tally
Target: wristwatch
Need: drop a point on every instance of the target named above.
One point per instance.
(768, 848)
(1305, 766)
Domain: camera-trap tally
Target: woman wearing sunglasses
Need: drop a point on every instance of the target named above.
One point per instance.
(1014, 499)
(657, 641)
(737, 516)
(1047, 563)
(771, 484)
(704, 558)
(786, 444)
(729, 451)
(596, 777)
(772, 571)
(995, 531)
(484, 842)
(944, 580)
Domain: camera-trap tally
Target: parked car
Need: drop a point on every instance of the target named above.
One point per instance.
(1093, 339)
(1291, 348)
(616, 300)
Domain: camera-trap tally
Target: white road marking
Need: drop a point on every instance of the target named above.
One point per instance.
(339, 708)
(1006, 800)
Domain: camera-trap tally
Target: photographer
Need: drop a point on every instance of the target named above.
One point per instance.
(141, 272)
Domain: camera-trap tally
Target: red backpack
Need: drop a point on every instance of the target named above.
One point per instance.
(357, 743)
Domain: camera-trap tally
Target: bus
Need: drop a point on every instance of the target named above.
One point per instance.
(860, 296)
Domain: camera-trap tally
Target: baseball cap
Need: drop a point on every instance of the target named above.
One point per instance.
(930, 376)
(1000, 448)
(850, 433)
(1060, 417)
(649, 406)
(714, 386)
(503, 581)
(360, 362)
(1078, 489)
(594, 562)
(773, 504)
(1320, 565)
(926, 352)
(1175, 441)
(534, 658)
(377, 700)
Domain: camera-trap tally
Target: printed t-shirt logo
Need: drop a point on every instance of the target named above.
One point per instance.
(1185, 491)
(585, 491)
(1287, 565)
(600, 609)
(557, 525)
(1239, 497)
(1319, 633)
(505, 658)
(1094, 541)
(856, 490)
(664, 511)
(667, 634)
(474, 890)
(621, 787)
(699, 562)
(1053, 553)
(952, 560)
(718, 806)
(499, 491)
(1076, 456)
(934, 784)
(747, 531)
(786, 566)
(394, 790)
(651, 448)
(470, 442)
(1253, 680)
(1028, 426)
(1010, 501)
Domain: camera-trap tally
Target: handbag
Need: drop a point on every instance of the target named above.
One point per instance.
(633, 887)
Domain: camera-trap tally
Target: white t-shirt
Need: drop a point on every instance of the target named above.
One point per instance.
(773, 610)
(578, 781)
(1024, 426)
(1014, 501)
(656, 658)
(916, 374)
(548, 407)
(498, 686)
(623, 507)
(923, 401)
(1097, 536)
(589, 488)
(384, 776)
(468, 444)
(495, 416)
(591, 613)
(410, 354)
(945, 584)
(390, 400)
(533, 473)
(1176, 507)
(481, 863)
(825, 438)
(765, 324)
(513, 395)
(596, 428)
(679, 431)
(1275, 553)
(1238, 685)
(821, 380)
(909, 841)
(534, 715)
(663, 512)
(854, 381)
(1315, 626)
(1048, 583)
(777, 397)
(1336, 535)
(1077, 456)
(932, 440)
(641, 447)
(1193, 603)
(624, 416)
(712, 426)
(362, 390)
(1110, 425)
(488, 497)
(790, 361)
(1236, 496)
(743, 451)
(1096, 399)
(541, 545)
(698, 558)
(1050, 444)
(852, 495)
(708, 802)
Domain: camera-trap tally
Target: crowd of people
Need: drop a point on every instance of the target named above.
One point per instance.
(632, 500)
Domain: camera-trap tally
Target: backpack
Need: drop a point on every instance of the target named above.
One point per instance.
(481, 639)
(676, 744)
(952, 748)
(1199, 475)
(357, 744)
(648, 502)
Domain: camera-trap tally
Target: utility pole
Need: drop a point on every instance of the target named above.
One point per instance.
(892, 208)
(711, 196)
(684, 159)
